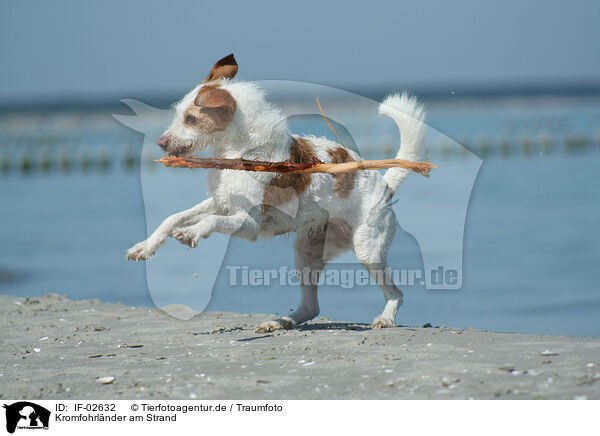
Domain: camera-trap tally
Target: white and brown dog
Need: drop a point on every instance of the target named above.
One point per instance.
(329, 214)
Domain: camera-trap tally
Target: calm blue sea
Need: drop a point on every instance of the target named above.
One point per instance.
(531, 243)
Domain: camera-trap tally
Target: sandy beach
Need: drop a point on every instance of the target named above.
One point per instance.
(57, 348)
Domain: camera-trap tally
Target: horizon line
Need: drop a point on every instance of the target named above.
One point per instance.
(438, 93)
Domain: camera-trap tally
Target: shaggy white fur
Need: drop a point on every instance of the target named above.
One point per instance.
(325, 223)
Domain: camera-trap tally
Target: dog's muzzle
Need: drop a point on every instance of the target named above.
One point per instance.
(172, 146)
(164, 142)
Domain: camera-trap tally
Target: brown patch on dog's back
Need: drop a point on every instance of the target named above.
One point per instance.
(283, 187)
(344, 183)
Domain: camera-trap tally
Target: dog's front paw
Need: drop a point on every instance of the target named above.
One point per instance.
(383, 323)
(141, 251)
(186, 237)
(189, 236)
(276, 324)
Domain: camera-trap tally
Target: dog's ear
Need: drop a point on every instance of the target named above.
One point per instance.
(224, 68)
(217, 102)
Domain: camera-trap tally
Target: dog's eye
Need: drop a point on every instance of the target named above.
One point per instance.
(190, 119)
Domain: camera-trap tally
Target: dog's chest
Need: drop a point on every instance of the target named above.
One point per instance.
(233, 190)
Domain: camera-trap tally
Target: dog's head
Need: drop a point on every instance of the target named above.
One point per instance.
(206, 115)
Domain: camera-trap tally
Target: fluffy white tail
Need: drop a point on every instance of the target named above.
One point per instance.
(409, 114)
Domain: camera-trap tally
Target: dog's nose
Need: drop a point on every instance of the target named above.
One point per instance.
(163, 142)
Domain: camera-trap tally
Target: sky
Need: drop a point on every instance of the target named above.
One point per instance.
(70, 49)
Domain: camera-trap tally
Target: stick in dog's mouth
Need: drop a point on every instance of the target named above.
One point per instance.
(317, 166)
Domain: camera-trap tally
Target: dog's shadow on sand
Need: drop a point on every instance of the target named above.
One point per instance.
(334, 326)
(317, 326)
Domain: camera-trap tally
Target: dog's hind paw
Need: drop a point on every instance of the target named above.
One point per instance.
(277, 324)
(383, 323)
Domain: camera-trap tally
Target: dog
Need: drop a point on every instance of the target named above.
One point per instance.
(328, 214)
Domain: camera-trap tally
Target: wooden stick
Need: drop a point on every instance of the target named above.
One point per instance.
(317, 166)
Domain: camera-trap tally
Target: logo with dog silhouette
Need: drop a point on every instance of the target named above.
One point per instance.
(26, 415)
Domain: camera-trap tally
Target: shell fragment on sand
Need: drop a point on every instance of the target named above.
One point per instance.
(105, 380)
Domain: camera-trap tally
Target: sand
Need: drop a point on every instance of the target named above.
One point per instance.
(56, 348)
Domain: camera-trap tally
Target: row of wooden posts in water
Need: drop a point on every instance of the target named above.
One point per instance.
(46, 159)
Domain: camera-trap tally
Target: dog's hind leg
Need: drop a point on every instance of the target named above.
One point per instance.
(393, 295)
(371, 244)
(309, 264)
